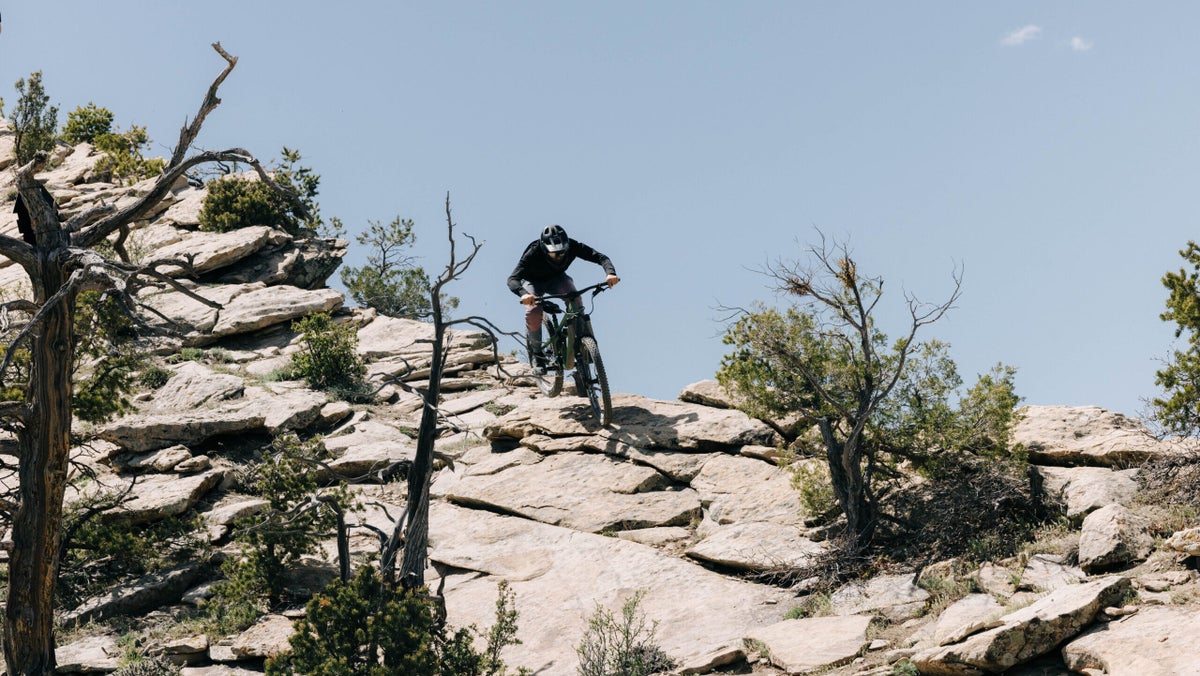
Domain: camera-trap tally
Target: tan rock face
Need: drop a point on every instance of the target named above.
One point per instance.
(1086, 435)
(1157, 640)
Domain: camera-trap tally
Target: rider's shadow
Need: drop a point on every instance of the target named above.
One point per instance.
(640, 427)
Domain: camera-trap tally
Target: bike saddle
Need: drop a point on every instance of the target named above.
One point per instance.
(551, 307)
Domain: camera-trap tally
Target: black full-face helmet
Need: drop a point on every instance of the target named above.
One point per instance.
(554, 239)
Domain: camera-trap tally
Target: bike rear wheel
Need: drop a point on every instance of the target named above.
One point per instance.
(594, 379)
(551, 381)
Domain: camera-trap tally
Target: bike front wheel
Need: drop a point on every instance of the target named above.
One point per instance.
(595, 381)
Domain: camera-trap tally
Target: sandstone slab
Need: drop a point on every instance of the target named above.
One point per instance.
(1156, 640)
(638, 422)
(589, 493)
(559, 576)
(757, 546)
(812, 644)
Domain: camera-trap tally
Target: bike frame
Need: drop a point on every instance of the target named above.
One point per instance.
(575, 322)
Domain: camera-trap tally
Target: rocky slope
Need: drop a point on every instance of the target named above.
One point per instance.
(681, 501)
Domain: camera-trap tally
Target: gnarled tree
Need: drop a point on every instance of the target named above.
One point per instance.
(826, 359)
(61, 264)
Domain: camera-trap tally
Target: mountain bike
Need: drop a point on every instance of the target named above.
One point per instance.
(570, 344)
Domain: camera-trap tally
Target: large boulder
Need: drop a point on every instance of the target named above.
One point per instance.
(1081, 490)
(1087, 435)
(1026, 633)
(1113, 537)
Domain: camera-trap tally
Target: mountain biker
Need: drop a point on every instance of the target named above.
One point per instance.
(543, 270)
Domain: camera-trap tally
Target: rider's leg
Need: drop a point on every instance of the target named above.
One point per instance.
(533, 337)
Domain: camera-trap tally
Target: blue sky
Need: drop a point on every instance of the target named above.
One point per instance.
(1050, 149)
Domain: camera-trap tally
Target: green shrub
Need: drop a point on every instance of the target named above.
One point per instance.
(106, 357)
(364, 627)
(274, 540)
(101, 550)
(154, 377)
(235, 202)
(811, 480)
(123, 161)
(85, 123)
(34, 120)
(623, 646)
(148, 666)
(329, 358)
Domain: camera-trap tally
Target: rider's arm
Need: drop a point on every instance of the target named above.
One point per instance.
(518, 281)
(589, 254)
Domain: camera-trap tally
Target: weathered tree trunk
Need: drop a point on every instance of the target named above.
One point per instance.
(54, 255)
(846, 475)
(416, 543)
(44, 446)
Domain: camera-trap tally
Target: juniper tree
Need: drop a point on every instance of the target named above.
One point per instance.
(1178, 409)
(870, 396)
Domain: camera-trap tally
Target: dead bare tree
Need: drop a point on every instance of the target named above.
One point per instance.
(61, 264)
(411, 531)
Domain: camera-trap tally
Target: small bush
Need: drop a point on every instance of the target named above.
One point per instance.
(621, 646)
(106, 357)
(811, 480)
(329, 359)
(123, 161)
(154, 377)
(149, 666)
(369, 628)
(234, 202)
(85, 123)
(100, 550)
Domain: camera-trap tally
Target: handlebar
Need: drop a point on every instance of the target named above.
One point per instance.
(596, 289)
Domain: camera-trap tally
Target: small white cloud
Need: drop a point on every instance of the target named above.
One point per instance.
(1020, 36)
(1079, 44)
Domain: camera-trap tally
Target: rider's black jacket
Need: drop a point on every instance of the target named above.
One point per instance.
(536, 267)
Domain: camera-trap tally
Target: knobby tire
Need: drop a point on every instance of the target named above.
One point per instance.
(592, 368)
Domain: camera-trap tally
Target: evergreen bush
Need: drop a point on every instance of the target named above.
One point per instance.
(85, 123)
(367, 628)
(329, 357)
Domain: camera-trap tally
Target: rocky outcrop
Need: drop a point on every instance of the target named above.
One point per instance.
(1026, 633)
(687, 505)
(1088, 435)
(814, 644)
